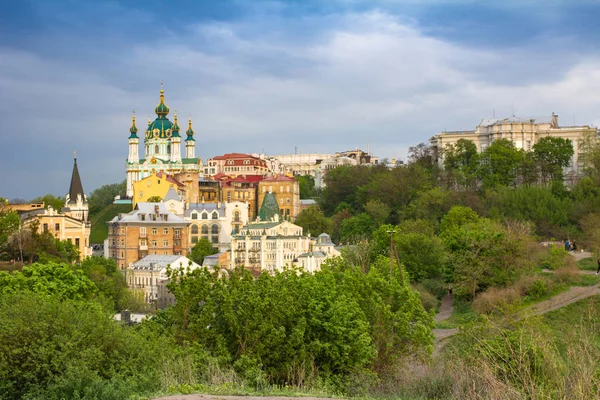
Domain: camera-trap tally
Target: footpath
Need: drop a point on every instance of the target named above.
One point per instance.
(574, 294)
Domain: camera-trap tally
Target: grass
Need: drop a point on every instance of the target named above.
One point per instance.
(588, 264)
(462, 313)
(99, 225)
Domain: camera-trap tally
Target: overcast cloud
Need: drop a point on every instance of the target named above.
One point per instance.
(277, 76)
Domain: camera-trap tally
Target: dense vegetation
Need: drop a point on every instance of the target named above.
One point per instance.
(360, 326)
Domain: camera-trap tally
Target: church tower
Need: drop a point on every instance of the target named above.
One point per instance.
(76, 205)
(190, 142)
(175, 142)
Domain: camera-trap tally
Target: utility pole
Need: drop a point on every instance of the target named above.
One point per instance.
(391, 252)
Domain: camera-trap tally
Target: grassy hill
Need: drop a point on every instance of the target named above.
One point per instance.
(99, 226)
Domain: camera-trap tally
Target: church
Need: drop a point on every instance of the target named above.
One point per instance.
(162, 149)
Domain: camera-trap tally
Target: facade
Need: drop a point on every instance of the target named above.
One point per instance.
(157, 185)
(523, 132)
(236, 164)
(268, 246)
(162, 148)
(72, 222)
(287, 192)
(322, 249)
(215, 222)
(240, 188)
(150, 229)
(149, 275)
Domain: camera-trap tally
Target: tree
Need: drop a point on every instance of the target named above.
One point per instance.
(357, 228)
(313, 221)
(500, 163)
(154, 199)
(462, 159)
(553, 154)
(105, 195)
(10, 223)
(421, 154)
(50, 200)
(307, 186)
(378, 211)
(202, 249)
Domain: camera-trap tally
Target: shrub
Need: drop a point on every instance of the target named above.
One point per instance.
(566, 275)
(533, 286)
(555, 258)
(495, 299)
(429, 301)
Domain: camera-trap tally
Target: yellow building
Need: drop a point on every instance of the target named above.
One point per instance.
(156, 185)
(287, 192)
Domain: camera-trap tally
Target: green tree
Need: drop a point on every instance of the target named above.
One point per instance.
(313, 221)
(56, 202)
(378, 211)
(104, 195)
(154, 199)
(356, 228)
(463, 160)
(307, 186)
(10, 224)
(202, 249)
(553, 154)
(500, 164)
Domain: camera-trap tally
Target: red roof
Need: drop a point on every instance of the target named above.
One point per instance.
(238, 178)
(278, 177)
(170, 178)
(229, 156)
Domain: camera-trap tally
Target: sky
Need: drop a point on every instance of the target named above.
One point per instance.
(278, 76)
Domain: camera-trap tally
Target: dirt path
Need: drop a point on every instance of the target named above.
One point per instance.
(446, 308)
(575, 293)
(211, 397)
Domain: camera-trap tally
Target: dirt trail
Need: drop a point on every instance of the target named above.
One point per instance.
(215, 397)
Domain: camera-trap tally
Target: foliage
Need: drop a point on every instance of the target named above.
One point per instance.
(356, 228)
(553, 154)
(154, 199)
(500, 163)
(57, 280)
(202, 249)
(104, 196)
(307, 186)
(378, 211)
(313, 221)
(555, 257)
(55, 202)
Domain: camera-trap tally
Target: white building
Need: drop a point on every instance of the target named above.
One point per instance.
(215, 222)
(322, 249)
(149, 275)
(523, 132)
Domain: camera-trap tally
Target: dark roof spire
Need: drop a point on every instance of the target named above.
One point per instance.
(76, 186)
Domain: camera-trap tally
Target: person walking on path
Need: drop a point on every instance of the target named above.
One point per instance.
(567, 245)
(598, 270)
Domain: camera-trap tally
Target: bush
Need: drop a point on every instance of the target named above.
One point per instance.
(429, 301)
(566, 275)
(495, 299)
(532, 286)
(555, 258)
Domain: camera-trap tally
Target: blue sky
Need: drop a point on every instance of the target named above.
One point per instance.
(322, 76)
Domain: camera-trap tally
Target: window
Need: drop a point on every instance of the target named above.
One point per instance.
(166, 243)
(57, 227)
(166, 231)
(154, 243)
(236, 216)
(204, 215)
(205, 229)
(168, 149)
(77, 242)
(143, 231)
(215, 229)
(194, 229)
(194, 239)
(177, 232)
(156, 149)
(215, 215)
(154, 231)
(45, 227)
(194, 216)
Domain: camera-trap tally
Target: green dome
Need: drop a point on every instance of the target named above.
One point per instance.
(190, 132)
(162, 110)
(175, 127)
(160, 128)
(133, 130)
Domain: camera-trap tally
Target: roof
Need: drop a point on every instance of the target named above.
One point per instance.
(76, 187)
(277, 177)
(518, 120)
(308, 202)
(261, 225)
(150, 215)
(170, 179)
(229, 156)
(172, 195)
(313, 254)
(269, 208)
(208, 207)
(157, 262)
(238, 178)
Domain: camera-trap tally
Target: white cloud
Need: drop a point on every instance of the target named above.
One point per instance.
(362, 77)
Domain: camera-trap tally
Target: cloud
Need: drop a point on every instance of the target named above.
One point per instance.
(323, 83)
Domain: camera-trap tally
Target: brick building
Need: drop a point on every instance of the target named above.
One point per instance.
(150, 229)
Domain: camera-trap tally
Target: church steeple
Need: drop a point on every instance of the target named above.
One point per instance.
(76, 187)
(76, 202)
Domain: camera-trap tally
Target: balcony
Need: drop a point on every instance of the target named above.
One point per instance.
(176, 247)
(143, 247)
(143, 235)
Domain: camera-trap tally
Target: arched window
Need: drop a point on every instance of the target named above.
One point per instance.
(204, 215)
(168, 149)
(194, 229)
(156, 149)
(236, 216)
(215, 215)
(205, 229)
(215, 229)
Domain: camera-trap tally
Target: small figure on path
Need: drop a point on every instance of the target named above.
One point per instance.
(567, 245)
(573, 246)
(598, 271)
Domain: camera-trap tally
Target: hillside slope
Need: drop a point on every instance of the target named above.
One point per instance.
(99, 226)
